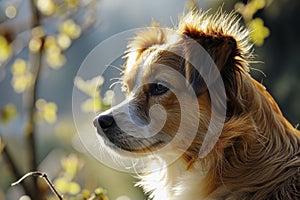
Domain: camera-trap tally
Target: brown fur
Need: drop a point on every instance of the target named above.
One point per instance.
(258, 153)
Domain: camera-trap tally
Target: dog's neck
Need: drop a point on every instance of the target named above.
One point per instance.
(173, 181)
(262, 107)
(254, 145)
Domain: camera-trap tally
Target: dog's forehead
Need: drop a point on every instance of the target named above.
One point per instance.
(145, 68)
(135, 67)
(156, 61)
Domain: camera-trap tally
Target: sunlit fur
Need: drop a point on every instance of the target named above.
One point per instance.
(257, 155)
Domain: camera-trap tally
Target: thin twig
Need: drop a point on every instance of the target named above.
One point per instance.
(41, 175)
(92, 197)
(30, 97)
(12, 164)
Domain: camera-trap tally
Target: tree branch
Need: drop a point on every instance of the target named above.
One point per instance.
(45, 177)
(13, 166)
(30, 97)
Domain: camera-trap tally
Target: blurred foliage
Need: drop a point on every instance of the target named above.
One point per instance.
(46, 7)
(91, 88)
(46, 111)
(54, 26)
(258, 32)
(70, 29)
(7, 113)
(5, 49)
(64, 187)
(53, 42)
(69, 188)
(21, 76)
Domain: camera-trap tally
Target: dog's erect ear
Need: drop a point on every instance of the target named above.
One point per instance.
(227, 43)
(221, 50)
(146, 38)
(219, 47)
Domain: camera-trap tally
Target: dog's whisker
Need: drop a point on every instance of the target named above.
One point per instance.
(116, 78)
(135, 164)
(116, 67)
(173, 22)
(258, 70)
(114, 83)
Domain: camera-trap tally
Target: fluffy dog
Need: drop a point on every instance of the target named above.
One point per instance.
(257, 153)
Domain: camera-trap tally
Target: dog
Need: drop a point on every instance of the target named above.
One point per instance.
(256, 154)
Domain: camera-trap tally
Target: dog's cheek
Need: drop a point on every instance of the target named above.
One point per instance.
(172, 124)
(172, 108)
(138, 109)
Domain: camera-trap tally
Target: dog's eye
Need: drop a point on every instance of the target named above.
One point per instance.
(158, 89)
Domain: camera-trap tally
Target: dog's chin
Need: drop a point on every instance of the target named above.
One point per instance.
(130, 146)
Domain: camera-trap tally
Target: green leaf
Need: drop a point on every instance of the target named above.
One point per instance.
(22, 78)
(85, 194)
(100, 191)
(47, 7)
(46, 110)
(259, 31)
(73, 188)
(8, 112)
(61, 185)
(5, 49)
(89, 87)
(70, 28)
(92, 105)
(71, 164)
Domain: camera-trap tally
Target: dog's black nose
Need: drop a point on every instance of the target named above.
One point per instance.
(106, 122)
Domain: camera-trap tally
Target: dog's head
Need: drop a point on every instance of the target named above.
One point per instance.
(167, 76)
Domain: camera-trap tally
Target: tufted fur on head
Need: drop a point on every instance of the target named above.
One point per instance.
(226, 42)
(257, 155)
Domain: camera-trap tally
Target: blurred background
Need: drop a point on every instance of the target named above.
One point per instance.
(43, 43)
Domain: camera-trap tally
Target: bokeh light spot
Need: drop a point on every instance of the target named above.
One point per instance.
(11, 11)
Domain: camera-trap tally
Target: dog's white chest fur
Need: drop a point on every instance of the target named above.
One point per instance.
(174, 182)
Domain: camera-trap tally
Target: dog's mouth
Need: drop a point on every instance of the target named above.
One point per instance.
(119, 140)
(139, 147)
